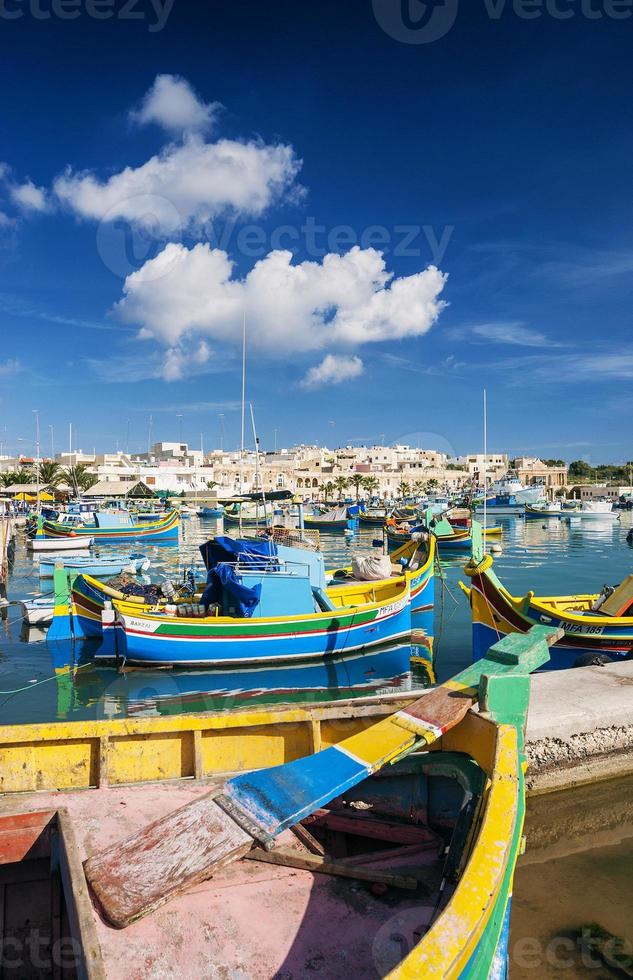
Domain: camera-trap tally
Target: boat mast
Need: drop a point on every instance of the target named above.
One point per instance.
(37, 457)
(485, 463)
(243, 404)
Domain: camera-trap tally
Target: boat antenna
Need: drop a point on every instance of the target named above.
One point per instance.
(485, 464)
(243, 404)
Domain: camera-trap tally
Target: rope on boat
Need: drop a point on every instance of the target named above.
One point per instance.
(53, 677)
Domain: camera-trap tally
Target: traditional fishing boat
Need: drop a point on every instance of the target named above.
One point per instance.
(364, 808)
(335, 519)
(591, 624)
(109, 526)
(263, 603)
(546, 508)
(372, 518)
(208, 513)
(446, 537)
(411, 565)
(133, 564)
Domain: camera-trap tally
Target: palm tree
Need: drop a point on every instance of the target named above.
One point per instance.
(433, 484)
(418, 487)
(341, 483)
(327, 489)
(404, 489)
(23, 476)
(78, 478)
(50, 474)
(357, 480)
(8, 478)
(371, 484)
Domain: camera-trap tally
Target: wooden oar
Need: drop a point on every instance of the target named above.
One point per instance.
(190, 844)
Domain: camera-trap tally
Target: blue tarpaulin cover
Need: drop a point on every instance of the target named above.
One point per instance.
(222, 580)
(225, 549)
(219, 556)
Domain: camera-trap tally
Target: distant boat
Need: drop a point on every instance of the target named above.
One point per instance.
(594, 508)
(69, 542)
(95, 566)
(510, 496)
(332, 520)
(38, 612)
(111, 526)
(210, 512)
(546, 508)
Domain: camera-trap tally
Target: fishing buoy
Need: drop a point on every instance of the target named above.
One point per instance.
(495, 549)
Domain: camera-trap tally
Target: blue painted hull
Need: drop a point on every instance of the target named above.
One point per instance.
(562, 657)
(145, 649)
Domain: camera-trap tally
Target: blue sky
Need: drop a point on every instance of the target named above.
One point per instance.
(401, 223)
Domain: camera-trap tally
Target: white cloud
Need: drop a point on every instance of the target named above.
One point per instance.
(172, 103)
(10, 367)
(177, 361)
(186, 184)
(29, 197)
(345, 300)
(513, 332)
(6, 221)
(332, 370)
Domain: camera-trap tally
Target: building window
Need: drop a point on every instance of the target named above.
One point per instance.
(280, 481)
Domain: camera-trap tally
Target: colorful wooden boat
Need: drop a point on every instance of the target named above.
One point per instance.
(372, 519)
(545, 509)
(264, 603)
(416, 573)
(166, 529)
(447, 910)
(417, 560)
(459, 539)
(495, 612)
(134, 564)
(335, 519)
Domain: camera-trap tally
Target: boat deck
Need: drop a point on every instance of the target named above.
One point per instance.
(252, 920)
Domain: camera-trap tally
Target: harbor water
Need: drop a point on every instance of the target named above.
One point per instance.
(578, 868)
(45, 682)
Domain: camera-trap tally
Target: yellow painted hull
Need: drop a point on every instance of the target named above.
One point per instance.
(91, 754)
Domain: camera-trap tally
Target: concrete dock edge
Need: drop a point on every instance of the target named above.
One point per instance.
(580, 727)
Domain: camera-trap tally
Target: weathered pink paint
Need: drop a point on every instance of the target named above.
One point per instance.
(251, 921)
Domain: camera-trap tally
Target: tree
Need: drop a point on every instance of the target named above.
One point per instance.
(8, 478)
(78, 478)
(404, 489)
(432, 485)
(357, 480)
(211, 484)
(419, 488)
(340, 484)
(50, 474)
(371, 484)
(21, 476)
(580, 469)
(327, 489)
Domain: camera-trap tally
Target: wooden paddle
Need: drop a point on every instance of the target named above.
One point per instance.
(188, 845)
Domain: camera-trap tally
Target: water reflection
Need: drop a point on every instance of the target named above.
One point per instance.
(59, 681)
